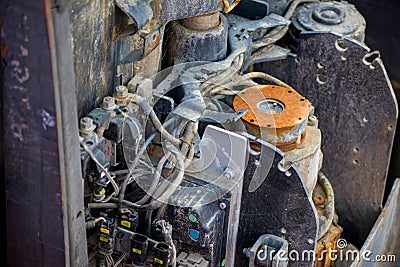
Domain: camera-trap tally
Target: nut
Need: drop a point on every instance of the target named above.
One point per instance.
(108, 103)
(86, 125)
(121, 91)
(229, 173)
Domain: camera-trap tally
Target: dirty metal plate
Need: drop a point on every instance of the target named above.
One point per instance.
(279, 206)
(383, 241)
(357, 113)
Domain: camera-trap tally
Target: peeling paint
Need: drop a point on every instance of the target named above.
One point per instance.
(20, 73)
(17, 130)
(47, 119)
(24, 51)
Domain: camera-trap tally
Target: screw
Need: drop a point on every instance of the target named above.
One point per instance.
(318, 200)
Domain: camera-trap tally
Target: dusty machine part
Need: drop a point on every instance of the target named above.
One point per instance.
(308, 156)
(121, 95)
(276, 114)
(86, 126)
(326, 246)
(202, 38)
(328, 230)
(202, 23)
(324, 201)
(339, 17)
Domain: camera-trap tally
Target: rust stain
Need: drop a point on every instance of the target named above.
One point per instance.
(295, 111)
(326, 246)
(22, 106)
(47, 6)
(296, 107)
(4, 48)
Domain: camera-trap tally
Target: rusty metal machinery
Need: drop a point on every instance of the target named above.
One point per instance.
(211, 133)
(279, 113)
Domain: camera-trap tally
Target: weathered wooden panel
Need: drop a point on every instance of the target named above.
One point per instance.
(33, 188)
(44, 205)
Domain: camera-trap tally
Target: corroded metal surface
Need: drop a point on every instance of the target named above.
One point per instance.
(31, 169)
(307, 157)
(357, 113)
(326, 246)
(280, 111)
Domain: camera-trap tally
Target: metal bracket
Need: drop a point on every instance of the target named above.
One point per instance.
(139, 10)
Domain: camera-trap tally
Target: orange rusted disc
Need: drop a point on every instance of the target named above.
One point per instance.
(275, 109)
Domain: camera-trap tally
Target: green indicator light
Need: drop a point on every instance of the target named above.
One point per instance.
(192, 218)
(223, 263)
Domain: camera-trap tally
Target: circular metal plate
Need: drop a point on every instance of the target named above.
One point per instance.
(289, 110)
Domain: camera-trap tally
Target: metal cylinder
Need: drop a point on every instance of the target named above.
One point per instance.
(276, 114)
(338, 17)
(202, 38)
(202, 23)
(280, 116)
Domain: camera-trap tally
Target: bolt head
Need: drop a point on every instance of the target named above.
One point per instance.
(86, 123)
(86, 126)
(121, 91)
(108, 103)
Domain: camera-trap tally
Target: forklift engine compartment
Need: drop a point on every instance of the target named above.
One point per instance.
(230, 133)
(176, 166)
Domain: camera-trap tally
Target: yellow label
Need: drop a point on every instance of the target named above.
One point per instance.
(104, 239)
(104, 230)
(126, 224)
(102, 191)
(158, 261)
(137, 251)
